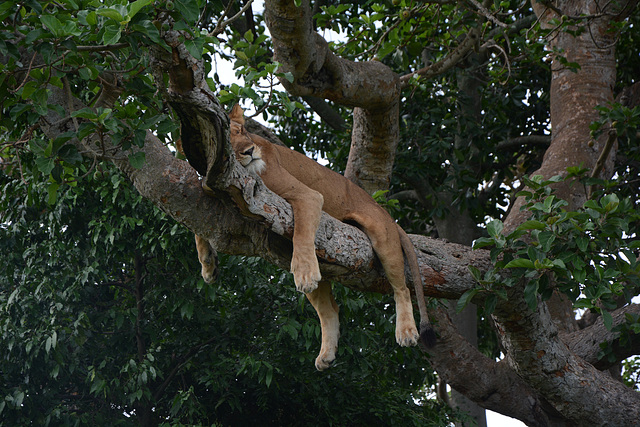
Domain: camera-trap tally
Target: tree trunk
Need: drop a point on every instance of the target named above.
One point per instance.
(530, 339)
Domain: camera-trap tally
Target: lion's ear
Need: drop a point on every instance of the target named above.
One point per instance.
(237, 114)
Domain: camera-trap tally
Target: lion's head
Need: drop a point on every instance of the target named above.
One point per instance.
(248, 153)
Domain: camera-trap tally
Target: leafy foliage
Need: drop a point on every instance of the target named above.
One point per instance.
(103, 316)
(589, 254)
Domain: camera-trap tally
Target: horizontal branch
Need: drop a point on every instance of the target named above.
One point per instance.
(586, 342)
(520, 141)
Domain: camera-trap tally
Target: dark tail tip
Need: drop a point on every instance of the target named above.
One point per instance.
(427, 335)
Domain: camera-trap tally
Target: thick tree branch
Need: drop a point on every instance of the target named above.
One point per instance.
(534, 350)
(493, 385)
(585, 343)
(370, 87)
(530, 338)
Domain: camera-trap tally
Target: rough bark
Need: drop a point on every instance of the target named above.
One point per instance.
(492, 385)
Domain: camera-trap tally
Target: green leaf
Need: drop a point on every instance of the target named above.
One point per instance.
(490, 304)
(53, 24)
(45, 164)
(69, 154)
(520, 263)
(195, 47)
(135, 7)
(582, 242)
(495, 227)
(137, 159)
(532, 225)
(475, 273)
(483, 242)
(85, 113)
(268, 377)
(186, 311)
(188, 10)
(610, 202)
(531, 294)
(546, 239)
(466, 299)
(53, 192)
(111, 14)
(111, 34)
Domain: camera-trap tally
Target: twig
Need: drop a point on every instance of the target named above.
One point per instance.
(221, 26)
(448, 62)
(26, 76)
(488, 14)
(266, 104)
(110, 47)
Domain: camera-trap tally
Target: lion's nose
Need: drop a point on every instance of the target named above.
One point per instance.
(248, 152)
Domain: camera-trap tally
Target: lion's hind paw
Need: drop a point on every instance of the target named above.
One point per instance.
(408, 336)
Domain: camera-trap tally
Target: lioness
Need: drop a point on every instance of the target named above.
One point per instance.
(311, 188)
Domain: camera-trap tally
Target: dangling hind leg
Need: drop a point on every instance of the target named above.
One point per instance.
(325, 304)
(208, 259)
(386, 243)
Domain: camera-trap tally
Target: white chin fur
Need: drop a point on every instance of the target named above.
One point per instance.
(256, 166)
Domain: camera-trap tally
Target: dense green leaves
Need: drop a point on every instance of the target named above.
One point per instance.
(587, 254)
(103, 316)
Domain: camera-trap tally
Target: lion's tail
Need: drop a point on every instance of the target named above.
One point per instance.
(427, 333)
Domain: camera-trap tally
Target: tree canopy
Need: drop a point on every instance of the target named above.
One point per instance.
(503, 134)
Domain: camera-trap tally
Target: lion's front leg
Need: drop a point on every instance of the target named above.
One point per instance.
(307, 208)
(327, 309)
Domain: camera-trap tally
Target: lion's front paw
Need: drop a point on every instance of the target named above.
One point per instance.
(306, 273)
(407, 334)
(323, 361)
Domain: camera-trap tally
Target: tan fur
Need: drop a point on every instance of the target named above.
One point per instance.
(311, 188)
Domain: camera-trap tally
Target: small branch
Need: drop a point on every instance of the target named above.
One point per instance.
(446, 63)
(585, 343)
(107, 48)
(606, 150)
(184, 359)
(519, 141)
(26, 76)
(485, 12)
(326, 113)
(221, 25)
